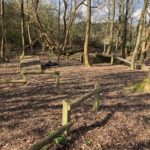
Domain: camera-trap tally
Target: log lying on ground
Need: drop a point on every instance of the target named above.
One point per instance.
(117, 58)
(24, 80)
(49, 139)
(13, 81)
(125, 61)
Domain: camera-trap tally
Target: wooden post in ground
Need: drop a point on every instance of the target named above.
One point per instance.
(112, 60)
(81, 58)
(66, 115)
(96, 98)
(57, 78)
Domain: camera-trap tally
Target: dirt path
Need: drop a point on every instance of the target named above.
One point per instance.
(28, 112)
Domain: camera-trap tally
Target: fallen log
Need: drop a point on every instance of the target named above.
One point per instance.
(49, 139)
(117, 58)
(24, 80)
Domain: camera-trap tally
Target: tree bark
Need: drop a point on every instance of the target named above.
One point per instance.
(124, 33)
(28, 28)
(141, 21)
(3, 33)
(22, 28)
(111, 28)
(64, 16)
(87, 34)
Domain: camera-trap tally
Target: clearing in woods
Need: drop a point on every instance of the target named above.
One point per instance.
(29, 111)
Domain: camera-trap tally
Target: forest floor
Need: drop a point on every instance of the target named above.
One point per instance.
(29, 111)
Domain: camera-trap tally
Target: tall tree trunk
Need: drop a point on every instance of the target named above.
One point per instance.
(59, 11)
(64, 20)
(141, 21)
(124, 33)
(121, 4)
(28, 27)
(58, 36)
(22, 28)
(143, 44)
(111, 28)
(87, 34)
(107, 29)
(131, 37)
(3, 32)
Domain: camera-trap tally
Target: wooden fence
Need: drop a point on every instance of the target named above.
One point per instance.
(66, 117)
(24, 77)
(69, 105)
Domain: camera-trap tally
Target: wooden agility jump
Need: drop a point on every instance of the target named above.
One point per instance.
(32, 65)
(66, 117)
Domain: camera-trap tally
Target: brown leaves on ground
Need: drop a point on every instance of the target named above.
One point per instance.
(28, 112)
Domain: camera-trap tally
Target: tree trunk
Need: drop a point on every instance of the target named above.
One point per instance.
(59, 11)
(124, 33)
(65, 23)
(28, 27)
(107, 29)
(135, 52)
(22, 28)
(3, 33)
(111, 28)
(87, 34)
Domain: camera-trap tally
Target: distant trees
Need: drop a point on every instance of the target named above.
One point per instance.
(69, 20)
(138, 40)
(60, 25)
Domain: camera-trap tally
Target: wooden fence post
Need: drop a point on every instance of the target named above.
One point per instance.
(57, 78)
(81, 58)
(24, 76)
(96, 98)
(112, 60)
(66, 115)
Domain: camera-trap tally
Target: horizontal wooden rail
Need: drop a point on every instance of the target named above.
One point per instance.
(56, 73)
(78, 101)
(114, 58)
(68, 105)
(24, 80)
(49, 139)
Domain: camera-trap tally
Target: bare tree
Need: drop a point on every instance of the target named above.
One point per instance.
(138, 40)
(22, 28)
(111, 28)
(72, 15)
(124, 30)
(3, 32)
(28, 26)
(87, 34)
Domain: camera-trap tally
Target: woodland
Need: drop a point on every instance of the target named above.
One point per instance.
(75, 74)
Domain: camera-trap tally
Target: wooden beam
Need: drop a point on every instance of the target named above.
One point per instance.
(49, 139)
(77, 102)
(66, 114)
(24, 80)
